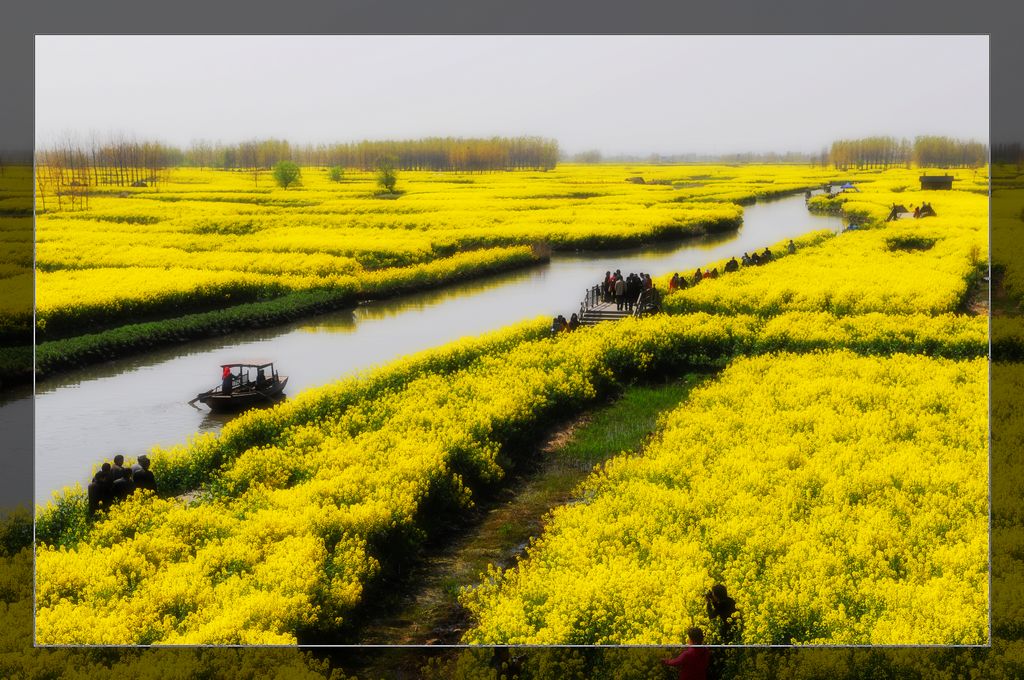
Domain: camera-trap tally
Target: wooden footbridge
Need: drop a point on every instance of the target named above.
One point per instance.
(595, 308)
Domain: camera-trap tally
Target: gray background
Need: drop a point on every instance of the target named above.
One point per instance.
(21, 21)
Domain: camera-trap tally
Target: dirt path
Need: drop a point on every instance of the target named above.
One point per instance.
(977, 302)
(429, 614)
(422, 608)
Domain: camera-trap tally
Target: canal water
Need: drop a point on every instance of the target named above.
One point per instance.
(128, 405)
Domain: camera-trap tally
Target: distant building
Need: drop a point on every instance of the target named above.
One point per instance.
(936, 182)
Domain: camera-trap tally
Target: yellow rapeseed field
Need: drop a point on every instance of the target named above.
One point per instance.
(842, 499)
(834, 477)
(213, 238)
(900, 267)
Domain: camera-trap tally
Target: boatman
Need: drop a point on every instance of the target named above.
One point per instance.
(225, 380)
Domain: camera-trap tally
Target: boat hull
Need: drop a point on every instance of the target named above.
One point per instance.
(240, 400)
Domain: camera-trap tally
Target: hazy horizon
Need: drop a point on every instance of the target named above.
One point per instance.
(620, 95)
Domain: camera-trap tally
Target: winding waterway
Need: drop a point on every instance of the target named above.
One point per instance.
(127, 406)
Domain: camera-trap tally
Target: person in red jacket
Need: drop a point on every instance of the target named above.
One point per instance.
(693, 662)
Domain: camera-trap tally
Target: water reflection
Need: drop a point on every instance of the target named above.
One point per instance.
(128, 405)
(340, 322)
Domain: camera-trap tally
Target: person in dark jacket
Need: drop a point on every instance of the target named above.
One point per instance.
(144, 479)
(698, 276)
(124, 486)
(101, 489)
(732, 265)
(633, 288)
(574, 322)
(693, 662)
(620, 293)
(722, 611)
(117, 469)
(746, 260)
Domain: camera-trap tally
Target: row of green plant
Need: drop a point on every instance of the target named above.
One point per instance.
(95, 309)
(58, 355)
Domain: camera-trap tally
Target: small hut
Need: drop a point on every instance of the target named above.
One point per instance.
(936, 182)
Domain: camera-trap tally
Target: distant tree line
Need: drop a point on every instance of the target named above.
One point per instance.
(434, 153)
(946, 152)
(887, 152)
(66, 169)
(746, 158)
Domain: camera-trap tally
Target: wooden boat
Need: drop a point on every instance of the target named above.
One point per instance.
(245, 385)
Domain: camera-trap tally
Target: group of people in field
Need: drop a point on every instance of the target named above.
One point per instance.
(114, 482)
(560, 325)
(625, 290)
(679, 282)
(695, 662)
(923, 210)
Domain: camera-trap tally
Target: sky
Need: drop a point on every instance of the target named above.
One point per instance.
(617, 94)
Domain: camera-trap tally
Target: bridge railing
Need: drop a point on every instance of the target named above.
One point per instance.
(648, 302)
(591, 298)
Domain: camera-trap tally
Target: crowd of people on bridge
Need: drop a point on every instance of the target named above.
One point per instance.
(678, 282)
(115, 482)
(625, 290)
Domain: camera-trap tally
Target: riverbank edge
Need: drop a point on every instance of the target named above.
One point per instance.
(54, 357)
